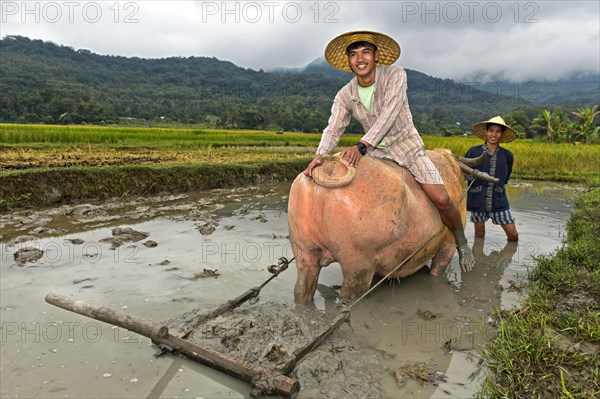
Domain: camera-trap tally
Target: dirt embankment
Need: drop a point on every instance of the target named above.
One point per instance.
(52, 186)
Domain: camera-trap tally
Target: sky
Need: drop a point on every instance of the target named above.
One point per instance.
(464, 40)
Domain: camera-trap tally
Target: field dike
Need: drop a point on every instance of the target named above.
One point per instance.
(49, 186)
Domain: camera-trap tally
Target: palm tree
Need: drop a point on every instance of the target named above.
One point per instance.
(584, 131)
(553, 125)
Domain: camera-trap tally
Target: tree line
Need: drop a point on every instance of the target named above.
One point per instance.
(43, 82)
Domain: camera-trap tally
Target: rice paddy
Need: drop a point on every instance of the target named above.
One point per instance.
(47, 146)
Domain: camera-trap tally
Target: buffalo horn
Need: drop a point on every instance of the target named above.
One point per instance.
(472, 162)
(477, 173)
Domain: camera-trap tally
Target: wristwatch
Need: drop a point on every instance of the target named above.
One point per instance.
(362, 148)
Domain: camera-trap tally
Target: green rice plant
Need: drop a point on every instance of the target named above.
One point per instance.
(48, 134)
(533, 160)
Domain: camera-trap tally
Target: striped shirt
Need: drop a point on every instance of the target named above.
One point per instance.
(490, 190)
(389, 129)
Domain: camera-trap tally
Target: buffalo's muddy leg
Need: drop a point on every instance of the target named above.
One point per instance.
(437, 269)
(308, 267)
(440, 262)
(357, 280)
(442, 259)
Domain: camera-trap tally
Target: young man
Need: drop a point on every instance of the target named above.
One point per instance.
(376, 97)
(488, 200)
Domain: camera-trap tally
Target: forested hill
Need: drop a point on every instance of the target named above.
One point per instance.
(45, 82)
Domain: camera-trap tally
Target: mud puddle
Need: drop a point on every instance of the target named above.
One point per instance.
(176, 255)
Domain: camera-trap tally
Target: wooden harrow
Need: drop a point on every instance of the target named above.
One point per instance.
(264, 381)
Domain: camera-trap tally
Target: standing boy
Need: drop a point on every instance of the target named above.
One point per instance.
(488, 200)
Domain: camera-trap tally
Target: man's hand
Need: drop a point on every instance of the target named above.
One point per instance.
(313, 164)
(352, 155)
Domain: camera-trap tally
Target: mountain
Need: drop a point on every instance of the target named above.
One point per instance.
(433, 98)
(576, 90)
(579, 90)
(319, 65)
(46, 82)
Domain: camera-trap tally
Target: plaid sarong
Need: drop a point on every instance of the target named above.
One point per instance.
(498, 217)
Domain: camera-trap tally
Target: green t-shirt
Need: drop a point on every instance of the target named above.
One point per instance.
(366, 96)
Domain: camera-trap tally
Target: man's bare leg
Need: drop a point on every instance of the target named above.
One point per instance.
(511, 231)
(450, 215)
(479, 229)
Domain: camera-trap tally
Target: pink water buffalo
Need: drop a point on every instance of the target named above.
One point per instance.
(370, 225)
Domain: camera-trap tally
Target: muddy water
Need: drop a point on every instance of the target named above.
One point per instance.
(436, 323)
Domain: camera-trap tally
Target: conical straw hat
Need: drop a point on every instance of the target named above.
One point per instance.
(335, 52)
(509, 134)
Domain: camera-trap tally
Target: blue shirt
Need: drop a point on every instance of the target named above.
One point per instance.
(480, 190)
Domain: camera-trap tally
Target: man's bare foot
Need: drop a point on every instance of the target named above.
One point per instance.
(465, 258)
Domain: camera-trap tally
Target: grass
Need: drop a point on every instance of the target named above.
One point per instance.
(549, 348)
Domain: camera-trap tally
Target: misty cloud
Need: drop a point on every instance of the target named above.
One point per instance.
(462, 40)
